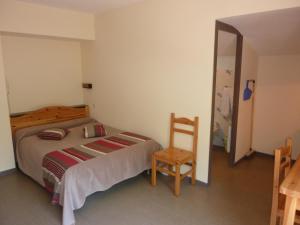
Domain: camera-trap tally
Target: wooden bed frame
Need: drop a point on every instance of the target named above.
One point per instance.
(52, 114)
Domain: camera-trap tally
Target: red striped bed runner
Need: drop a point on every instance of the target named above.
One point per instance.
(56, 163)
(135, 136)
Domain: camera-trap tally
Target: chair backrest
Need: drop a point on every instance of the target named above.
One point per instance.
(185, 121)
(282, 162)
(282, 165)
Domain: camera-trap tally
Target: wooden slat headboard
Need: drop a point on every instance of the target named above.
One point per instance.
(48, 115)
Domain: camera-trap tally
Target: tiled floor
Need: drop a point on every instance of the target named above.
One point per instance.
(236, 196)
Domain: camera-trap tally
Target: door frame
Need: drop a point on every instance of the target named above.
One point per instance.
(220, 26)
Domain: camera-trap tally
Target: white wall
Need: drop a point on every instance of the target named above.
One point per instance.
(25, 18)
(226, 63)
(6, 149)
(42, 72)
(277, 107)
(156, 57)
(225, 78)
(28, 18)
(245, 115)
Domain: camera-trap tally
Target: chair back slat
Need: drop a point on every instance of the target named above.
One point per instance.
(282, 163)
(185, 121)
(282, 166)
(183, 131)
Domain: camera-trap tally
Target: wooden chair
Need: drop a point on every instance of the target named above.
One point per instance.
(282, 166)
(165, 160)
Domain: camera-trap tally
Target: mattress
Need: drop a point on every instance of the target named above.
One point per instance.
(88, 177)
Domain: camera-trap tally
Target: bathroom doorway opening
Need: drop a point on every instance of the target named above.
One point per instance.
(226, 90)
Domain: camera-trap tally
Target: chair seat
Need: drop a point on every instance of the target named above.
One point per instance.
(174, 156)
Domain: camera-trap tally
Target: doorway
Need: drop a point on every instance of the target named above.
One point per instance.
(226, 90)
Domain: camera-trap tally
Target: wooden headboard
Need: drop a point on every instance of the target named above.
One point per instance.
(47, 115)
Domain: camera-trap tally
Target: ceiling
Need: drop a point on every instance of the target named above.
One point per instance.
(92, 6)
(270, 33)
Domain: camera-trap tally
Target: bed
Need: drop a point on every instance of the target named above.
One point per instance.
(126, 155)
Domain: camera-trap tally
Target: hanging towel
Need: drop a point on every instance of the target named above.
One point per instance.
(247, 92)
(226, 102)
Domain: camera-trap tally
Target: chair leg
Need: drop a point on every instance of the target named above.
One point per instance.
(177, 180)
(289, 210)
(280, 220)
(194, 172)
(273, 220)
(153, 171)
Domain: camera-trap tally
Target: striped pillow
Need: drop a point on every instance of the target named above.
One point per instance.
(94, 130)
(53, 134)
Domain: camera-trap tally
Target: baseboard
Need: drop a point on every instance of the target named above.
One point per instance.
(272, 156)
(7, 172)
(198, 182)
(262, 154)
(253, 154)
(241, 159)
(201, 183)
(256, 153)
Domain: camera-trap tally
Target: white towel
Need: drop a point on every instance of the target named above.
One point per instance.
(226, 102)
